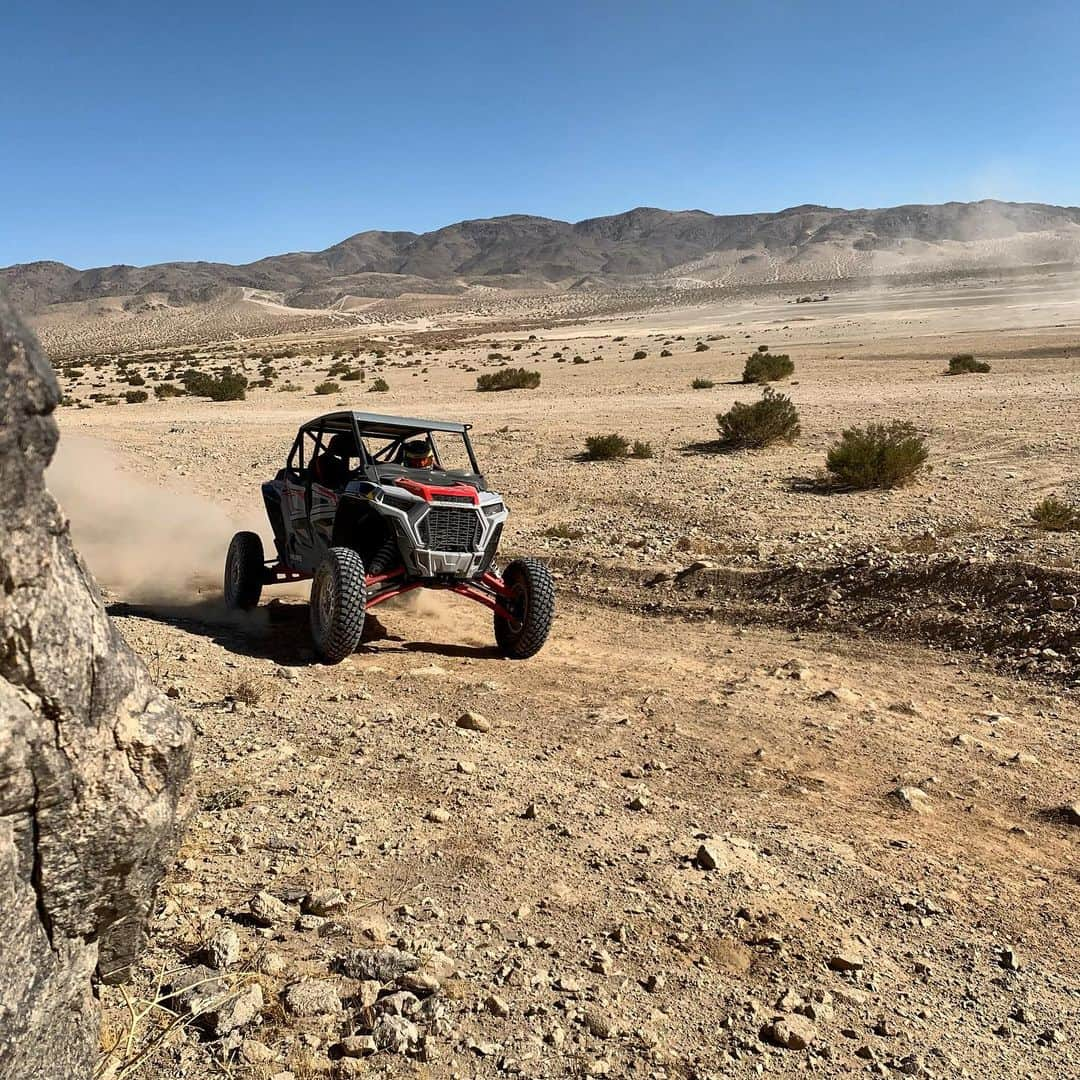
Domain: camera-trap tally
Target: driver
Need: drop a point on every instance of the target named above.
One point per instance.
(418, 455)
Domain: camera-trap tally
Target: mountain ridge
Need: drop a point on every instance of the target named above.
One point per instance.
(530, 252)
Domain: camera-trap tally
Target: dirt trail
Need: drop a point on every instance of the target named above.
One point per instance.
(724, 737)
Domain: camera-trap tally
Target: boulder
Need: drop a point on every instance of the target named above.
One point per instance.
(92, 757)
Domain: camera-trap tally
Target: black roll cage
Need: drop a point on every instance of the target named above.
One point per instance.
(398, 429)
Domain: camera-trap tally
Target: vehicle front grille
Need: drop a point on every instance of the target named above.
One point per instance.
(456, 499)
(446, 528)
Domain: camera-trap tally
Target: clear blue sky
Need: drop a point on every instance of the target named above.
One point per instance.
(132, 133)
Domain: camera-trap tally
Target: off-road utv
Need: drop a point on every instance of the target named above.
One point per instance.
(370, 507)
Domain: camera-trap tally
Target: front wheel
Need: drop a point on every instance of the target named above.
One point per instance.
(244, 570)
(531, 606)
(338, 603)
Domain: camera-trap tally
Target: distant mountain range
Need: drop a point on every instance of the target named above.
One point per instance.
(520, 252)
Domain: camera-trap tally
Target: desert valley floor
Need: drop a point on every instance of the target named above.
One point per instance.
(787, 791)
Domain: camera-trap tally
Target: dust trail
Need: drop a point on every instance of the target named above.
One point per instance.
(143, 542)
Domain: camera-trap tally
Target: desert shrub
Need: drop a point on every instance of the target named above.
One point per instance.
(379, 386)
(702, 384)
(769, 420)
(340, 368)
(878, 455)
(606, 447)
(580, 360)
(700, 347)
(966, 364)
(767, 367)
(563, 532)
(665, 352)
(641, 449)
(228, 386)
(763, 348)
(136, 380)
(327, 387)
(356, 375)
(1055, 515)
(135, 397)
(288, 387)
(640, 354)
(509, 378)
(167, 390)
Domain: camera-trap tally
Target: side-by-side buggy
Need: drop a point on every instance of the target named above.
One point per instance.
(370, 507)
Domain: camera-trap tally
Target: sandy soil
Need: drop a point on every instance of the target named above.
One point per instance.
(827, 651)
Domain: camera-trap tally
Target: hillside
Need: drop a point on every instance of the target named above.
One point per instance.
(528, 253)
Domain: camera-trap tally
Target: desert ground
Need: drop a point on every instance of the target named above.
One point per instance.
(789, 788)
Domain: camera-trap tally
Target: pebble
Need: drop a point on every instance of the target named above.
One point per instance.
(473, 721)
(789, 1032)
(323, 902)
(439, 815)
(710, 857)
(913, 799)
(268, 910)
(312, 997)
(223, 948)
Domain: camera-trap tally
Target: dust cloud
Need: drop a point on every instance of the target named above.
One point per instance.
(141, 541)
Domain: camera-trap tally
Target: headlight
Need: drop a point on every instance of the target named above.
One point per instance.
(491, 509)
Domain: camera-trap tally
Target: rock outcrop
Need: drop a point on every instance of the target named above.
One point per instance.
(92, 757)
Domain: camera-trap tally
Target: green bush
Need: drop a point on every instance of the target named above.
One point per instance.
(767, 367)
(641, 449)
(135, 397)
(509, 378)
(878, 455)
(966, 364)
(606, 447)
(167, 390)
(327, 387)
(702, 384)
(226, 387)
(379, 386)
(769, 420)
(1055, 515)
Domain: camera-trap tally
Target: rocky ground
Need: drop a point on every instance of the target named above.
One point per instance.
(792, 788)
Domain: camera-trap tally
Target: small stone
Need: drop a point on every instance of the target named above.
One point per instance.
(312, 997)
(710, 857)
(848, 958)
(439, 815)
(357, 1046)
(271, 963)
(497, 1006)
(403, 1003)
(654, 983)
(913, 799)
(1010, 959)
(473, 721)
(598, 1023)
(789, 1032)
(1070, 813)
(323, 902)
(419, 982)
(395, 1034)
(253, 1052)
(530, 812)
(638, 802)
(268, 910)
(383, 965)
(223, 948)
(466, 767)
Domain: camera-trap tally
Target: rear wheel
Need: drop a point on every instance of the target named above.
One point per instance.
(531, 606)
(244, 571)
(338, 602)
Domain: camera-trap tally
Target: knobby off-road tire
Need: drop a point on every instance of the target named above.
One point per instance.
(532, 602)
(338, 602)
(244, 571)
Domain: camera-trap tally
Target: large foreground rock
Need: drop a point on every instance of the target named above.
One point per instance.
(92, 757)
